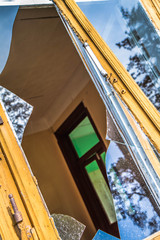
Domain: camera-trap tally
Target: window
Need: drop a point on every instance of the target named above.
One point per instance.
(127, 30)
(83, 137)
(84, 152)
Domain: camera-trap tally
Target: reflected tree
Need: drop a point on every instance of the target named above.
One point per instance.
(143, 42)
(18, 111)
(131, 196)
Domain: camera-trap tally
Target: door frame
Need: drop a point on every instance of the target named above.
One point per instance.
(76, 167)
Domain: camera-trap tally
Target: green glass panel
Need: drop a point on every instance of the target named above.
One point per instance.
(92, 167)
(103, 156)
(101, 189)
(83, 137)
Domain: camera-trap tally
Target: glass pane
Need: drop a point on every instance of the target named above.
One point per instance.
(100, 235)
(24, 2)
(101, 189)
(17, 109)
(138, 213)
(143, 154)
(7, 17)
(103, 156)
(83, 137)
(127, 30)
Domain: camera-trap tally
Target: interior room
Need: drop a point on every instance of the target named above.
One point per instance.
(45, 70)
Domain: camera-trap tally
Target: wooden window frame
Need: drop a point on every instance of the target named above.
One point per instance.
(140, 106)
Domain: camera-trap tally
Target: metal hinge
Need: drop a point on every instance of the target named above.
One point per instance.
(24, 232)
(17, 214)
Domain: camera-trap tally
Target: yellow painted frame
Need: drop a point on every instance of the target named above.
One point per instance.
(42, 224)
(155, 236)
(143, 110)
(152, 8)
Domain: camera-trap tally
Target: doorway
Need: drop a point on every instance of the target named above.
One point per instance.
(84, 152)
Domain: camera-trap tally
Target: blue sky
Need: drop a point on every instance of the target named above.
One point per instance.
(7, 16)
(106, 17)
(23, 2)
(130, 227)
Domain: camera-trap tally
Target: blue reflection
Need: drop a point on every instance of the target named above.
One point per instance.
(18, 110)
(125, 27)
(137, 213)
(100, 235)
(7, 17)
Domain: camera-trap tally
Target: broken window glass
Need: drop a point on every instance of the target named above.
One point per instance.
(24, 2)
(17, 109)
(139, 190)
(126, 28)
(137, 211)
(138, 214)
(68, 227)
(7, 17)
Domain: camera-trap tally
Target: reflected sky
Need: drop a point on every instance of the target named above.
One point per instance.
(137, 213)
(7, 17)
(127, 30)
(100, 235)
(23, 2)
(18, 110)
(137, 210)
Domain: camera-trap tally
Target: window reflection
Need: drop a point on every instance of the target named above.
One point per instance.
(17, 109)
(137, 213)
(137, 208)
(127, 30)
(7, 17)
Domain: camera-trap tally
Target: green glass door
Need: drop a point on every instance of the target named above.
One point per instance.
(84, 151)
